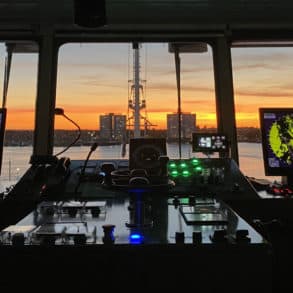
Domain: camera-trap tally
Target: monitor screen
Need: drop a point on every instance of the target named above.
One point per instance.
(144, 153)
(277, 140)
(209, 142)
(2, 130)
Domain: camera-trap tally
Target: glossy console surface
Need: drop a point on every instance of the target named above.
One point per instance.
(142, 219)
(78, 204)
(163, 232)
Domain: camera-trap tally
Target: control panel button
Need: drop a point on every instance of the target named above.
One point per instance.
(219, 236)
(242, 236)
(179, 237)
(196, 237)
(108, 234)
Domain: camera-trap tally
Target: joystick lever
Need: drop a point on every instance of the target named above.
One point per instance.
(108, 234)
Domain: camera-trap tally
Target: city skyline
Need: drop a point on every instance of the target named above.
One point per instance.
(93, 80)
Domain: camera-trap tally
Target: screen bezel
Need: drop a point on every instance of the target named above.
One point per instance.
(3, 112)
(206, 150)
(272, 171)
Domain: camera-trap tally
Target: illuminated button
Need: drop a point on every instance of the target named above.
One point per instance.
(194, 161)
(183, 165)
(136, 238)
(198, 168)
(174, 173)
(185, 173)
(172, 165)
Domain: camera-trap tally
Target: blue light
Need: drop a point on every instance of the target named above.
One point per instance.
(136, 238)
(137, 190)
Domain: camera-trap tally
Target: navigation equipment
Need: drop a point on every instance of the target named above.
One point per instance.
(277, 140)
(209, 142)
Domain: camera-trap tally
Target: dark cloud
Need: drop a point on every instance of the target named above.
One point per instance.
(255, 66)
(98, 66)
(103, 108)
(170, 86)
(162, 109)
(265, 94)
(190, 70)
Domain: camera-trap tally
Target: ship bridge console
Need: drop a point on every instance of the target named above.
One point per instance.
(149, 222)
(146, 218)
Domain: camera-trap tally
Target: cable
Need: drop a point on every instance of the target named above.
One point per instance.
(92, 149)
(177, 67)
(59, 111)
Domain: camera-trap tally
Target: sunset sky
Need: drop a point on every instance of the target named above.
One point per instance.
(93, 79)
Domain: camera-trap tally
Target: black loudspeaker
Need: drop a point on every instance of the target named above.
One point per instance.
(90, 13)
(145, 153)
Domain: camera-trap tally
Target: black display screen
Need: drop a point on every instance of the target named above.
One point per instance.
(209, 142)
(277, 140)
(2, 130)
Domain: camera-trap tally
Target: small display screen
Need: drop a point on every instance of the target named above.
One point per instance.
(209, 142)
(277, 140)
(2, 130)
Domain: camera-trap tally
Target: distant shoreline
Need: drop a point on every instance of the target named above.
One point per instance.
(63, 138)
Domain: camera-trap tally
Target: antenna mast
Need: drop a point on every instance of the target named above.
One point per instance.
(134, 102)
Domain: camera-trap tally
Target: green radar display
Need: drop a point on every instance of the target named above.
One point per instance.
(277, 140)
(281, 138)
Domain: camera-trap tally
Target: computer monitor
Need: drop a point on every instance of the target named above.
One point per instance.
(144, 153)
(2, 130)
(209, 142)
(277, 140)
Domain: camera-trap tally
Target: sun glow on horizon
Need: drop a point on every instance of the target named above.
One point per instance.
(93, 80)
(90, 120)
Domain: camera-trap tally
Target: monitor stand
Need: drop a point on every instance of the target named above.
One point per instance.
(288, 180)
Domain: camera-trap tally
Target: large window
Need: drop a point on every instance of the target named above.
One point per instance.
(97, 89)
(262, 78)
(20, 114)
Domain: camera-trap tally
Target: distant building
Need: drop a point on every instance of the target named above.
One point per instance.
(188, 125)
(119, 126)
(106, 127)
(112, 126)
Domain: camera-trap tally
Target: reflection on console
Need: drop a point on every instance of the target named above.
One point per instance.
(145, 220)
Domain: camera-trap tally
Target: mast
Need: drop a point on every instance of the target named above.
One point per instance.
(135, 104)
(137, 86)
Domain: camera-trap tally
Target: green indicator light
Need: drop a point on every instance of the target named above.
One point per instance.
(194, 161)
(172, 165)
(198, 168)
(174, 173)
(186, 173)
(183, 165)
(184, 200)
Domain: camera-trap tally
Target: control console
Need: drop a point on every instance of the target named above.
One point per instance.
(139, 219)
(100, 220)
